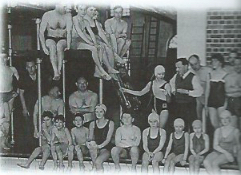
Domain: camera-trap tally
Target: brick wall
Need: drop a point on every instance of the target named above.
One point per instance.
(223, 32)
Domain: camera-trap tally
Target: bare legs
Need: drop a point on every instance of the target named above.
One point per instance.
(171, 161)
(98, 161)
(163, 118)
(213, 161)
(56, 54)
(134, 153)
(46, 152)
(155, 162)
(194, 164)
(122, 46)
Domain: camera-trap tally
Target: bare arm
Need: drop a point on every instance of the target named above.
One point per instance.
(15, 72)
(169, 147)
(53, 136)
(206, 149)
(186, 146)
(80, 32)
(43, 27)
(69, 27)
(191, 144)
(162, 141)
(138, 137)
(35, 116)
(197, 88)
(139, 93)
(173, 84)
(22, 99)
(68, 136)
(144, 140)
(109, 135)
(102, 33)
(91, 131)
(92, 35)
(73, 136)
(207, 90)
(61, 107)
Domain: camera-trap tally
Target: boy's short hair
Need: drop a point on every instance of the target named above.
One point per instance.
(78, 115)
(59, 117)
(128, 113)
(48, 114)
(197, 123)
(179, 122)
(184, 61)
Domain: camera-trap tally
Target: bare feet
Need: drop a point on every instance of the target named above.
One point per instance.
(113, 71)
(23, 166)
(41, 167)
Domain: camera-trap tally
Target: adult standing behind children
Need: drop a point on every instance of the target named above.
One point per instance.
(215, 90)
(160, 93)
(154, 139)
(127, 139)
(186, 87)
(201, 72)
(101, 131)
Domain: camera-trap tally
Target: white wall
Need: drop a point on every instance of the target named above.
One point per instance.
(191, 32)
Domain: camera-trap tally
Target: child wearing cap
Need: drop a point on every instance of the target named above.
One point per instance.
(61, 142)
(127, 139)
(154, 139)
(79, 134)
(199, 146)
(178, 146)
(160, 93)
(101, 132)
(47, 127)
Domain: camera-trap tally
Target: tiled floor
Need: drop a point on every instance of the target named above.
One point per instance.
(9, 166)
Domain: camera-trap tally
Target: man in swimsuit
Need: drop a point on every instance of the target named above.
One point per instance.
(229, 67)
(58, 23)
(7, 94)
(117, 29)
(202, 73)
(83, 100)
(50, 102)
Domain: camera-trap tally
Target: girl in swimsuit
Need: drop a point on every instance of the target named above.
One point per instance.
(225, 145)
(153, 141)
(160, 89)
(215, 91)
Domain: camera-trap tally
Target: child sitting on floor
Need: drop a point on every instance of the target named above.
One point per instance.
(199, 146)
(47, 127)
(127, 139)
(79, 134)
(61, 142)
(178, 146)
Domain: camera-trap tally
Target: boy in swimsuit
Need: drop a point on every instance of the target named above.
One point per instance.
(79, 134)
(61, 142)
(178, 146)
(47, 127)
(199, 146)
(127, 139)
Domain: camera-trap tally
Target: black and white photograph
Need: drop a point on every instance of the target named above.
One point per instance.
(120, 87)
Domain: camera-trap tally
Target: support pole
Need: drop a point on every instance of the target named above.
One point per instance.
(64, 90)
(39, 98)
(204, 120)
(10, 44)
(39, 82)
(101, 91)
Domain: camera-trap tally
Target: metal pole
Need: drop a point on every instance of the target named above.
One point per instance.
(39, 98)
(204, 120)
(64, 80)
(10, 44)
(101, 91)
(39, 82)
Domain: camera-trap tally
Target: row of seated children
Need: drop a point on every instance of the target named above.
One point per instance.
(97, 141)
